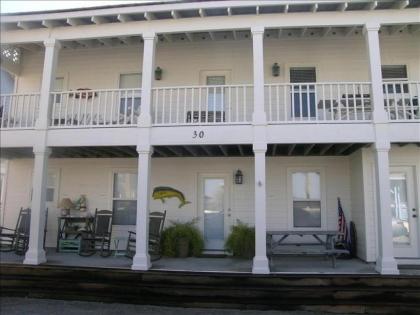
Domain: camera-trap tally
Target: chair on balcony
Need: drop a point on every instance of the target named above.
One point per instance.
(99, 238)
(17, 239)
(156, 223)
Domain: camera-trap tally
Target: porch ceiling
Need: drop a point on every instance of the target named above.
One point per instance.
(238, 150)
(270, 34)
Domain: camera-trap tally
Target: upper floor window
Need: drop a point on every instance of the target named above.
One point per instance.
(215, 98)
(130, 99)
(394, 73)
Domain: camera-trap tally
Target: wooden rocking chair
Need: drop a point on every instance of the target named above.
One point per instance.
(17, 239)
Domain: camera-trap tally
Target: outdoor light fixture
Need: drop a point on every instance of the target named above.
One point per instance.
(275, 69)
(239, 177)
(158, 73)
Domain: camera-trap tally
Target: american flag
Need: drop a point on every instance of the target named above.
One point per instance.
(343, 237)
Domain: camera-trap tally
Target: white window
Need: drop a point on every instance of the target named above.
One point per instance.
(215, 98)
(58, 87)
(306, 199)
(131, 98)
(124, 198)
(303, 97)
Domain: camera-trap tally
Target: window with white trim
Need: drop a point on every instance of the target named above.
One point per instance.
(124, 198)
(303, 97)
(306, 189)
(131, 99)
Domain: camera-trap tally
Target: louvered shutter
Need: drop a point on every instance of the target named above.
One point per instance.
(302, 75)
(394, 72)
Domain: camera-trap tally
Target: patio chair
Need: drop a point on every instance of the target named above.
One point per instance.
(17, 239)
(100, 236)
(156, 223)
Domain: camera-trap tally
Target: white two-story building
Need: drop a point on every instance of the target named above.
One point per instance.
(311, 100)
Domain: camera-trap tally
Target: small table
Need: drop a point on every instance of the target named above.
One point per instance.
(327, 246)
(67, 226)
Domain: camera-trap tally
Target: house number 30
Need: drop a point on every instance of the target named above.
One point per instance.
(198, 134)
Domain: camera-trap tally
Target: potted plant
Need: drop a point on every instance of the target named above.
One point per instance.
(182, 239)
(241, 241)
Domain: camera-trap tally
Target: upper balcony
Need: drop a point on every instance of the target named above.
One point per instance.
(329, 102)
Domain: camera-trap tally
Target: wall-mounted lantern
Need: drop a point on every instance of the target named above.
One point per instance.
(239, 177)
(275, 69)
(158, 73)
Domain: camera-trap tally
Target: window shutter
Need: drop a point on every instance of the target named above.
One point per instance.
(302, 75)
(394, 72)
(216, 80)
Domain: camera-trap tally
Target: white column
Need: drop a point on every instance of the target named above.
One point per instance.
(141, 260)
(258, 116)
(260, 262)
(36, 254)
(385, 262)
(149, 48)
(375, 73)
(52, 47)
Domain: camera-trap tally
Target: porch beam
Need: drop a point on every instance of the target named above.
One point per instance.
(168, 37)
(372, 5)
(99, 19)
(212, 36)
(106, 41)
(223, 150)
(286, 8)
(149, 16)
(314, 7)
(202, 12)
(308, 148)
(190, 150)
(325, 148)
(160, 152)
(290, 149)
(241, 151)
(175, 151)
(27, 25)
(342, 6)
(123, 18)
(401, 4)
(189, 36)
(50, 23)
(74, 21)
(396, 29)
(274, 149)
(207, 150)
(175, 14)
(326, 31)
(339, 149)
(350, 30)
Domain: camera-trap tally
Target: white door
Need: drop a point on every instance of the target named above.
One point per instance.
(52, 201)
(214, 205)
(404, 213)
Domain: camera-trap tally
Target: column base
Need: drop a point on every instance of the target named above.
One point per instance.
(35, 257)
(387, 266)
(260, 265)
(141, 262)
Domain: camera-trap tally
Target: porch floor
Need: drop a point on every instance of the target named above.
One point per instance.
(281, 265)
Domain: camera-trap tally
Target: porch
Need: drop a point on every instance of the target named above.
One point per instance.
(280, 265)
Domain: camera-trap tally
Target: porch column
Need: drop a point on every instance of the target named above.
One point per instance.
(149, 40)
(371, 32)
(258, 116)
(36, 253)
(385, 261)
(141, 260)
(52, 47)
(260, 262)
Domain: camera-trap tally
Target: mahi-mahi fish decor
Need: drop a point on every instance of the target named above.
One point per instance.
(163, 193)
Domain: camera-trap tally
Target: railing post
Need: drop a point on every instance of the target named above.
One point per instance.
(149, 40)
(52, 47)
(371, 32)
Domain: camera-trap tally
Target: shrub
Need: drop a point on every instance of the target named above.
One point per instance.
(241, 241)
(179, 230)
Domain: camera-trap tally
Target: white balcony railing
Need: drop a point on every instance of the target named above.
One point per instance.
(318, 102)
(95, 108)
(18, 111)
(199, 105)
(402, 100)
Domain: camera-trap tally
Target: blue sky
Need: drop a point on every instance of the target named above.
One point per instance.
(9, 6)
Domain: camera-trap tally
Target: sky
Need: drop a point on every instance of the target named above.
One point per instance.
(10, 6)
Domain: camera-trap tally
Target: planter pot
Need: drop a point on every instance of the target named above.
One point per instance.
(183, 247)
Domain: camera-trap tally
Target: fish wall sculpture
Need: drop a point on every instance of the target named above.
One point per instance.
(162, 193)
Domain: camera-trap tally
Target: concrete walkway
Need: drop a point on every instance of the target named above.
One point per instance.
(19, 306)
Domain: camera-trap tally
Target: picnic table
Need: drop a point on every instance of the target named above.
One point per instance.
(324, 244)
